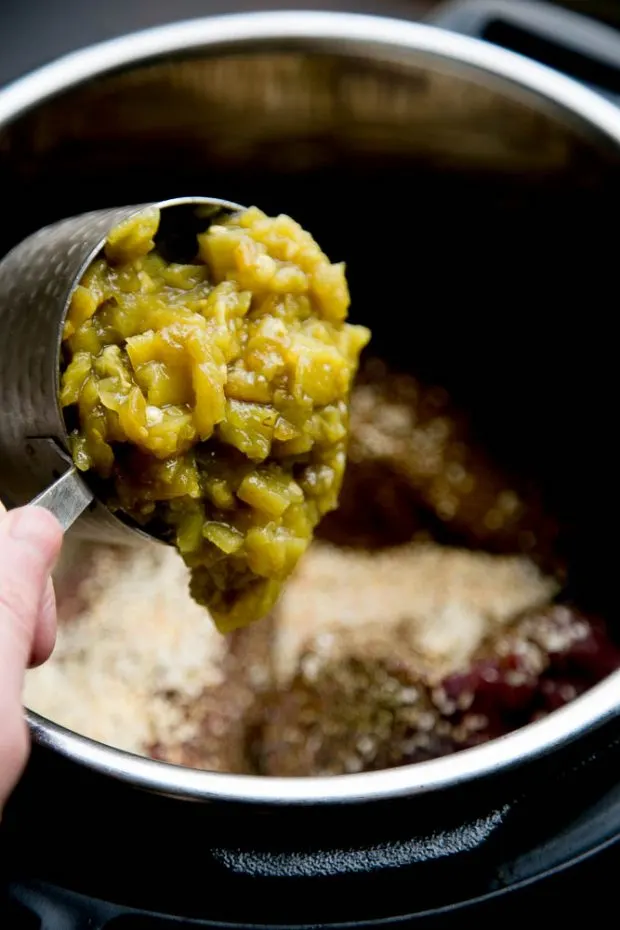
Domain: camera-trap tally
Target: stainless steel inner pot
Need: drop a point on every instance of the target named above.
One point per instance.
(466, 188)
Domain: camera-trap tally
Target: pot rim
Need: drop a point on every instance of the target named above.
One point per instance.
(347, 33)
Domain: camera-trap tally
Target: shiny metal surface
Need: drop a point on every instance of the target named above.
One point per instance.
(531, 742)
(290, 93)
(37, 279)
(67, 498)
(381, 40)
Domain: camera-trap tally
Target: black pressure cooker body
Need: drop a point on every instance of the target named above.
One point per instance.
(80, 848)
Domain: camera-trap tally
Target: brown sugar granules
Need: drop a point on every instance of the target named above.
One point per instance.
(362, 643)
(367, 709)
(133, 649)
(440, 603)
(416, 472)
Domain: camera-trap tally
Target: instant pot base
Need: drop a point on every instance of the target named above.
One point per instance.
(142, 856)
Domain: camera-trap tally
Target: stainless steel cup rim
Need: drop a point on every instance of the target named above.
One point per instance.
(195, 200)
(198, 200)
(387, 40)
(38, 279)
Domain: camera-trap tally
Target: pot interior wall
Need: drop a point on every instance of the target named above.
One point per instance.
(474, 225)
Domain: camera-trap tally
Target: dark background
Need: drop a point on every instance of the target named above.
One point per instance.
(33, 32)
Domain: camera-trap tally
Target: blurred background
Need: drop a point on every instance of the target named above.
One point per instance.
(33, 32)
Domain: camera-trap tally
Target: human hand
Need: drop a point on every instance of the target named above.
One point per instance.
(30, 541)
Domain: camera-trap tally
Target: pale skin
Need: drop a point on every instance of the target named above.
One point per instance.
(30, 542)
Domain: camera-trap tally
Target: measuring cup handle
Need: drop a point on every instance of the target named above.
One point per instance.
(66, 498)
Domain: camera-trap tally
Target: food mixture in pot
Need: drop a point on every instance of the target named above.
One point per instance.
(210, 398)
(426, 616)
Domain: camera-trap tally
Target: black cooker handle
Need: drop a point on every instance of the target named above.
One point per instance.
(56, 908)
(59, 909)
(582, 48)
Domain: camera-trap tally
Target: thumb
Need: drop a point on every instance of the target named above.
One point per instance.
(30, 540)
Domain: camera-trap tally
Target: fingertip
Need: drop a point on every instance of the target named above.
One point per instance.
(46, 523)
(30, 542)
(36, 526)
(45, 631)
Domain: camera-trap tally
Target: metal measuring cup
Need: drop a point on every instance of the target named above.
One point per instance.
(37, 279)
